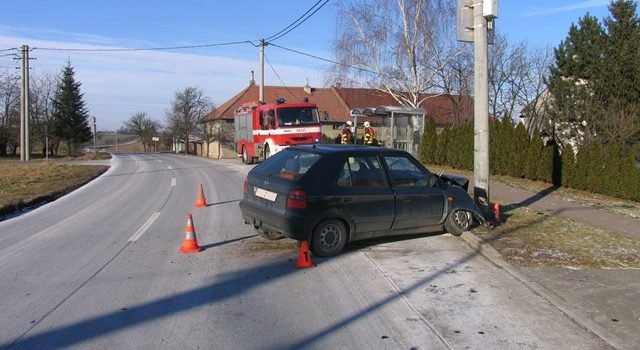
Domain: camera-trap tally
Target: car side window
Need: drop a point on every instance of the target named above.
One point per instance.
(404, 172)
(361, 172)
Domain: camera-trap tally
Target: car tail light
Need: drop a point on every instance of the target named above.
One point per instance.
(297, 199)
(245, 187)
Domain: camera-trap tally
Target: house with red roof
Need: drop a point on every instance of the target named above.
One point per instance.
(335, 105)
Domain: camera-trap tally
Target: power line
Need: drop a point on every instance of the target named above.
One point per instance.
(13, 48)
(294, 22)
(278, 35)
(277, 75)
(145, 49)
(334, 62)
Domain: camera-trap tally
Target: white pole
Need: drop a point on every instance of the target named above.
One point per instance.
(481, 109)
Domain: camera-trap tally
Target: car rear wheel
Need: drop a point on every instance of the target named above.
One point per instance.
(245, 156)
(458, 222)
(329, 237)
(267, 152)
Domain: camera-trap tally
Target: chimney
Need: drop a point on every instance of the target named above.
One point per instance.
(307, 88)
(338, 84)
(252, 81)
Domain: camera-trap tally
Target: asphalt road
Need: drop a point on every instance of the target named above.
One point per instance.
(100, 268)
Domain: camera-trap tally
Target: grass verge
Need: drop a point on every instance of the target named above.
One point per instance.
(26, 184)
(530, 238)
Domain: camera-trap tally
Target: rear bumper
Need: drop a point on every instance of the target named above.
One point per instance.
(292, 225)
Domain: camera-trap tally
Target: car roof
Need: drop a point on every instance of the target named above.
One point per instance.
(341, 148)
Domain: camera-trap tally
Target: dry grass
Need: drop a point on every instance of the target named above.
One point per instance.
(529, 238)
(25, 184)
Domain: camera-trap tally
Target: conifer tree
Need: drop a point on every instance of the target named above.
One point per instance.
(428, 142)
(70, 116)
(621, 73)
(574, 77)
(568, 167)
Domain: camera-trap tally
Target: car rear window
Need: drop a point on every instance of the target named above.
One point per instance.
(289, 164)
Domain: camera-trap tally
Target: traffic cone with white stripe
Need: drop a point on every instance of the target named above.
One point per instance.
(190, 244)
(201, 202)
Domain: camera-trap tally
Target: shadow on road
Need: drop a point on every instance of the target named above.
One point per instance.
(227, 286)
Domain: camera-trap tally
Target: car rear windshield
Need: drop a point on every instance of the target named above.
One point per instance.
(289, 164)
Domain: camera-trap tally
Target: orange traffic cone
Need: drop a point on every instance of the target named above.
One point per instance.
(190, 244)
(496, 212)
(201, 202)
(304, 257)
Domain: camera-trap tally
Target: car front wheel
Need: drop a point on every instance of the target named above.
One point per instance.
(458, 221)
(329, 237)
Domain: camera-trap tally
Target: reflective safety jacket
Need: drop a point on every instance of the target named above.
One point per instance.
(345, 136)
(368, 136)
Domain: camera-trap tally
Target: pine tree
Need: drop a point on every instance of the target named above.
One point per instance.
(575, 75)
(621, 74)
(70, 116)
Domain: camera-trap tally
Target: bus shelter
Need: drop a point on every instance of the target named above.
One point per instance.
(395, 127)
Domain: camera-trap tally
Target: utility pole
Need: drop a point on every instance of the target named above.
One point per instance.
(473, 19)
(262, 45)
(25, 150)
(95, 149)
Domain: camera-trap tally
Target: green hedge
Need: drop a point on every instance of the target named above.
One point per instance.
(609, 170)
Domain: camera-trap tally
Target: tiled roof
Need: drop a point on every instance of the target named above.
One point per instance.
(335, 103)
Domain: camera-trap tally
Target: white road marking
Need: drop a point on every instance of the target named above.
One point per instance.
(173, 182)
(170, 168)
(159, 160)
(144, 227)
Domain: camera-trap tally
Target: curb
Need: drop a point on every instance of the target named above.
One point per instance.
(492, 255)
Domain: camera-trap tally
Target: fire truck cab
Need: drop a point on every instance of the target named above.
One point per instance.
(265, 129)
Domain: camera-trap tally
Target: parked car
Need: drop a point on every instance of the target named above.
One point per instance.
(329, 194)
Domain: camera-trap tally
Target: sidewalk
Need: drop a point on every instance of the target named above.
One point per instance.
(607, 302)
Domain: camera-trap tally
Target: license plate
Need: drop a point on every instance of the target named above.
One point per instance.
(268, 195)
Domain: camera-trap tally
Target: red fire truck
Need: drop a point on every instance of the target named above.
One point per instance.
(265, 129)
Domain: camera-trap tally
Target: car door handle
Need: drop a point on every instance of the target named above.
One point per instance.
(347, 200)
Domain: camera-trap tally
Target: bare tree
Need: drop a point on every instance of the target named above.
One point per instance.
(142, 126)
(395, 46)
(187, 110)
(9, 113)
(41, 94)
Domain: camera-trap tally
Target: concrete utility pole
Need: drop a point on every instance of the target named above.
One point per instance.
(480, 109)
(474, 16)
(95, 148)
(25, 150)
(262, 45)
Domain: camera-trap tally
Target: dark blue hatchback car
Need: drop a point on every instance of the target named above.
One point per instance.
(330, 194)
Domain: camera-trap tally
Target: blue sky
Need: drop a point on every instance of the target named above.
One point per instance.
(118, 84)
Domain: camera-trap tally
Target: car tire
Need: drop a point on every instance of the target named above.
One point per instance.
(458, 222)
(269, 235)
(328, 238)
(267, 152)
(245, 156)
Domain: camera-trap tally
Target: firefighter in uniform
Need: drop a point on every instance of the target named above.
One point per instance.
(369, 134)
(346, 136)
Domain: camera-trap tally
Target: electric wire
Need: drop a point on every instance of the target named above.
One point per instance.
(334, 62)
(294, 22)
(297, 25)
(281, 81)
(13, 48)
(145, 49)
